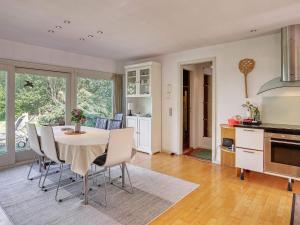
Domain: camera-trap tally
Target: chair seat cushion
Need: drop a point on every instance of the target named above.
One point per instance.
(100, 160)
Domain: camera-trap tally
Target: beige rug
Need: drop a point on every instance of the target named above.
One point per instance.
(26, 204)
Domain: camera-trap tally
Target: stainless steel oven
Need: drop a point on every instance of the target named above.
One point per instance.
(282, 154)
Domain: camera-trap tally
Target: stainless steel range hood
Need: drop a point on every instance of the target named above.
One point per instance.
(290, 60)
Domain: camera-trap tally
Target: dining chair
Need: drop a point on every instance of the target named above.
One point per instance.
(101, 123)
(36, 147)
(48, 146)
(114, 124)
(119, 152)
(118, 116)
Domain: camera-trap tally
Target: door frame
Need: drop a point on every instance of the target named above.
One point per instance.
(180, 102)
(9, 157)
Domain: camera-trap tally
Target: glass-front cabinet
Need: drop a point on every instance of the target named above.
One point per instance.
(144, 81)
(138, 82)
(132, 82)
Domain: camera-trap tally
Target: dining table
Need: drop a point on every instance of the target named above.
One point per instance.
(79, 150)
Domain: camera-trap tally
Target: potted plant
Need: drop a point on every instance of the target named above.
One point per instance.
(79, 118)
(252, 111)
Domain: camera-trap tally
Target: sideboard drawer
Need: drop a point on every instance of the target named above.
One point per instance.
(249, 159)
(250, 138)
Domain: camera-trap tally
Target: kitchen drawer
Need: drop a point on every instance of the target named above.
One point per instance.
(249, 159)
(249, 138)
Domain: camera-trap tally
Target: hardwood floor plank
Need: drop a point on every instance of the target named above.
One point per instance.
(222, 198)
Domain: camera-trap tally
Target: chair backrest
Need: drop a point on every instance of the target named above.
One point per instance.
(118, 116)
(120, 146)
(33, 139)
(48, 143)
(101, 123)
(114, 124)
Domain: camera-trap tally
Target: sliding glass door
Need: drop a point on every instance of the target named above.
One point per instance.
(40, 98)
(95, 98)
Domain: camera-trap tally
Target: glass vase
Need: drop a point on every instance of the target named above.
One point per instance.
(77, 128)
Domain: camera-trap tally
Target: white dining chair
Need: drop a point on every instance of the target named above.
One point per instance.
(48, 146)
(34, 144)
(119, 152)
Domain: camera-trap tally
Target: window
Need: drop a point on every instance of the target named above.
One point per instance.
(95, 98)
(39, 99)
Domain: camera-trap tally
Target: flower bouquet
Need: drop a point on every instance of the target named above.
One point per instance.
(79, 118)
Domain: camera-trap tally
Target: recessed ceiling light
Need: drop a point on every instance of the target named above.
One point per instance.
(100, 32)
(253, 30)
(51, 31)
(90, 36)
(67, 21)
(81, 39)
(58, 27)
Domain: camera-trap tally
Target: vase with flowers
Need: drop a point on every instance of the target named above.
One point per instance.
(78, 118)
(252, 111)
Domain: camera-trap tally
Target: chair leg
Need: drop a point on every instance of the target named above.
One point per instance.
(131, 187)
(109, 175)
(105, 190)
(43, 184)
(58, 185)
(36, 157)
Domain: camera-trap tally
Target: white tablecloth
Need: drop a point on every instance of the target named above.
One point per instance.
(81, 150)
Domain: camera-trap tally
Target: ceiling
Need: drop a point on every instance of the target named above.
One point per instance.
(140, 28)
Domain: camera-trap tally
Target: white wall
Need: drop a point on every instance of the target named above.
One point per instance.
(229, 81)
(29, 53)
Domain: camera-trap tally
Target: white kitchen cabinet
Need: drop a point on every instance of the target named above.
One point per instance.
(133, 122)
(142, 137)
(139, 79)
(250, 138)
(249, 159)
(143, 98)
(249, 149)
(144, 134)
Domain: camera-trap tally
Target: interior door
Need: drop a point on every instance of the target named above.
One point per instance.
(132, 122)
(144, 134)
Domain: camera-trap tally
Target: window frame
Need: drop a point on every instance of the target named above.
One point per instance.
(14, 66)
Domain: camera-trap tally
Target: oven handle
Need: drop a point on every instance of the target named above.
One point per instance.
(285, 142)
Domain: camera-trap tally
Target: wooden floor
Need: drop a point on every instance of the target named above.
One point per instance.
(222, 198)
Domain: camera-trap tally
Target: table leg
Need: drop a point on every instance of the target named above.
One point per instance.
(85, 189)
(123, 174)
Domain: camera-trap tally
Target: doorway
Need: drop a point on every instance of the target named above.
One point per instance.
(197, 110)
(186, 110)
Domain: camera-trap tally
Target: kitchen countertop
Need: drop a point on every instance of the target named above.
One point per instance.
(274, 128)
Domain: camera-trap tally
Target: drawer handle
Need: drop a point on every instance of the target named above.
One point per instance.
(248, 152)
(249, 130)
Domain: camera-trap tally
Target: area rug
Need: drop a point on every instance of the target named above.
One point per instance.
(202, 154)
(26, 204)
(295, 214)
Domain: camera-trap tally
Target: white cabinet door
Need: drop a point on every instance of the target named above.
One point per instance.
(133, 122)
(132, 82)
(144, 134)
(250, 138)
(249, 159)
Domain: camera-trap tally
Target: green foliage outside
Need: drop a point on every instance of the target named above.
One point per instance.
(94, 97)
(45, 101)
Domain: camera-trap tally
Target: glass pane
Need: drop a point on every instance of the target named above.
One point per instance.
(131, 82)
(95, 98)
(144, 81)
(40, 100)
(3, 75)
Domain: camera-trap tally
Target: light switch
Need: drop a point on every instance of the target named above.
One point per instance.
(170, 111)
